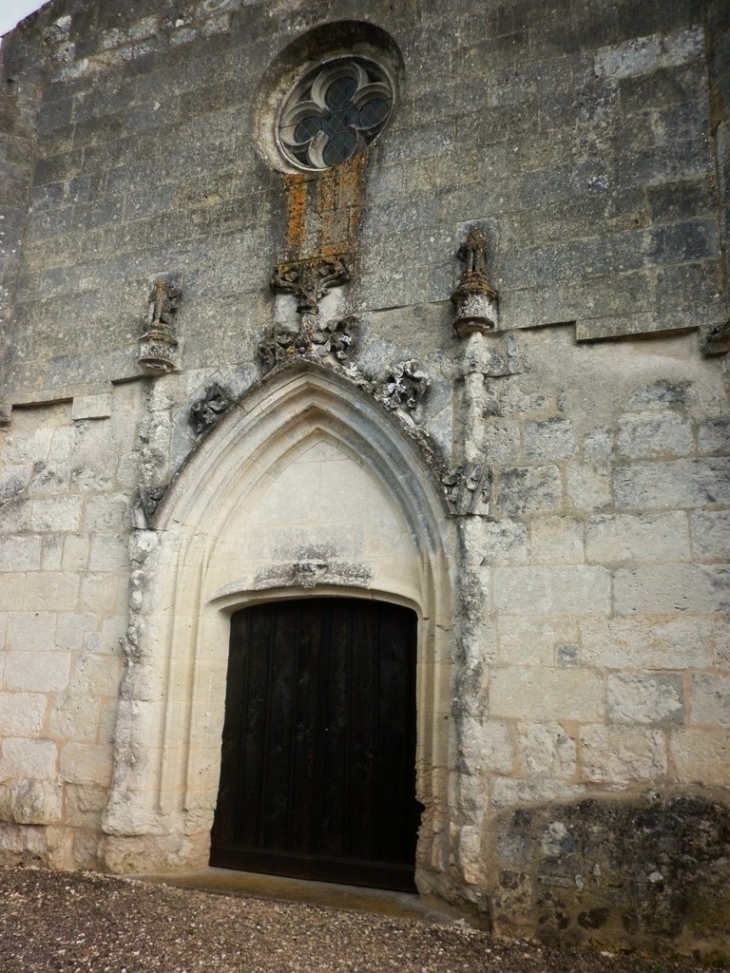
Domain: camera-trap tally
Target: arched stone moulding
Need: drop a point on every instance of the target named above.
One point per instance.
(307, 487)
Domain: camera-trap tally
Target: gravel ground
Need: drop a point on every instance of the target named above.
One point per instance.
(51, 922)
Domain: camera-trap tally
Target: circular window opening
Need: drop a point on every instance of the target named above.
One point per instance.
(334, 112)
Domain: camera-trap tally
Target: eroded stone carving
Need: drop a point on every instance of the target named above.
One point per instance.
(475, 300)
(309, 280)
(210, 409)
(716, 341)
(146, 506)
(310, 572)
(404, 387)
(157, 345)
(312, 340)
(468, 489)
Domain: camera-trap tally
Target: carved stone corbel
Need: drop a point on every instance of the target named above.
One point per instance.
(157, 345)
(207, 411)
(309, 280)
(475, 300)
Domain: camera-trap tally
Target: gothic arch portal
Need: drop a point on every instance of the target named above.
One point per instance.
(307, 487)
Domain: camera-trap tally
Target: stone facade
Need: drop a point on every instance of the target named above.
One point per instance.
(479, 368)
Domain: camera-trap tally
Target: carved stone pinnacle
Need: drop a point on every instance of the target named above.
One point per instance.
(475, 300)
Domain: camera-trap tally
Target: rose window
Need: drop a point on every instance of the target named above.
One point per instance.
(334, 113)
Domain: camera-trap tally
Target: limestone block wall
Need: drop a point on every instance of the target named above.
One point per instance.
(65, 499)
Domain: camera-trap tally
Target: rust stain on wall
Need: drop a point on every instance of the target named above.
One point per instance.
(324, 212)
(296, 211)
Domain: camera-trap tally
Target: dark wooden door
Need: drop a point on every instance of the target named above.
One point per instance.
(319, 742)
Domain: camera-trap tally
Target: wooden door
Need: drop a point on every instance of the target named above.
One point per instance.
(318, 760)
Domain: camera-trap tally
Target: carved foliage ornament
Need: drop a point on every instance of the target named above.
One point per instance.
(334, 112)
(405, 386)
(333, 340)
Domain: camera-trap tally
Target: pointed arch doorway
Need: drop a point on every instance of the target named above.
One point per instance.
(319, 743)
(307, 488)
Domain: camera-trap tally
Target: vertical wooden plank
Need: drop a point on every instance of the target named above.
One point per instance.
(303, 802)
(364, 707)
(254, 719)
(333, 741)
(280, 719)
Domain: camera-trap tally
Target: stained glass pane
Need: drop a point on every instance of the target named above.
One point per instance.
(340, 93)
(340, 148)
(373, 113)
(307, 129)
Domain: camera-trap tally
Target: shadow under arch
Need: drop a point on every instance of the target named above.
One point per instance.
(307, 487)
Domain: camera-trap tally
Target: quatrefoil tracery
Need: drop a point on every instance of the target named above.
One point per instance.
(334, 113)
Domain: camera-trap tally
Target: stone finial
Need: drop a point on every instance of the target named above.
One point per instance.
(157, 345)
(474, 300)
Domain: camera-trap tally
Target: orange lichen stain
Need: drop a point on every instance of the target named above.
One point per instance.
(295, 184)
(339, 203)
(334, 197)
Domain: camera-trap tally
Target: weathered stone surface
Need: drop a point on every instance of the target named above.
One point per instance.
(529, 489)
(550, 440)
(607, 870)
(711, 535)
(546, 751)
(645, 698)
(22, 714)
(710, 699)
(85, 763)
(546, 694)
(641, 436)
(618, 755)
(534, 641)
(28, 758)
(557, 540)
(615, 538)
(37, 671)
(672, 484)
(701, 755)
(647, 643)
(665, 589)
(589, 486)
(569, 590)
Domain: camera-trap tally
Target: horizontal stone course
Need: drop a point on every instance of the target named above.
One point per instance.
(39, 671)
(648, 642)
(612, 538)
(672, 484)
(666, 588)
(542, 694)
(620, 755)
(564, 589)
